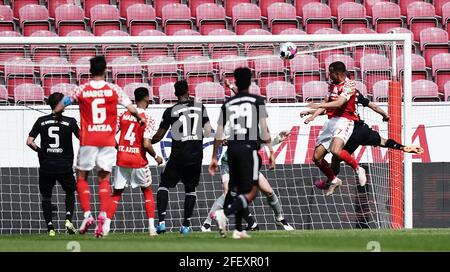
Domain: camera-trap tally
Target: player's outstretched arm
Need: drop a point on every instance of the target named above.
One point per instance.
(316, 113)
(379, 110)
(329, 105)
(32, 144)
(149, 148)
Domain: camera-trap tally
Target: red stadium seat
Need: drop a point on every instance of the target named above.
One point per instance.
(351, 16)
(269, 69)
(160, 4)
(33, 18)
(148, 51)
(296, 31)
(218, 51)
(209, 92)
(347, 60)
(265, 4)
(210, 17)
(161, 70)
(89, 4)
(361, 87)
(323, 54)
(446, 17)
(299, 6)
(54, 4)
(447, 91)
(125, 4)
(140, 17)
(280, 91)
(176, 17)
(126, 70)
(385, 16)
(104, 18)
(64, 88)
(6, 19)
(52, 71)
(3, 95)
(76, 52)
(314, 91)
(10, 51)
(316, 16)
(433, 41)
(131, 87)
(41, 51)
(82, 70)
(18, 71)
(419, 70)
(194, 4)
(425, 90)
(335, 4)
(304, 68)
(229, 5)
(28, 92)
(254, 89)
(441, 69)
(197, 69)
(112, 51)
(258, 49)
(374, 68)
(402, 30)
(360, 51)
(69, 18)
(167, 93)
(245, 17)
(421, 15)
(281, 16)
(227, 65)
(381, 91)
(404, 4)
(368, 4)
(18, 4)
(183, 51)
(438, 4)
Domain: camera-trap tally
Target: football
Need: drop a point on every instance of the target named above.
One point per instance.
(288, 50)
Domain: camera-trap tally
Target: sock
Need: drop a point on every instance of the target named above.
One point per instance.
(238, 204)
(326, 169)
(238, 220)
(149, 202)
(50, 226)
(114, 201)
(151, 223)
(70, 205)
(47, 210)
(162, 197)
(345, 156)
(274, 203)
(217, 205)
(84, 195)
(393, 144)
(104, 192)
(248, 217)
(189, 204)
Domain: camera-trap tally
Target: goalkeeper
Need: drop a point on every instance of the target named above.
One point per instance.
(362, 135)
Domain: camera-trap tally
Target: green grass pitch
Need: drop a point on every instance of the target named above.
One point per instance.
(319, 240)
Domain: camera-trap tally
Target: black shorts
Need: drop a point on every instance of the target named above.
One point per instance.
(188, 174)
(48, 180)
(362, 135)
(244, 163)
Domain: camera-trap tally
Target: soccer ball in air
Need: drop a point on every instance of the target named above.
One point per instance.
(288, 50)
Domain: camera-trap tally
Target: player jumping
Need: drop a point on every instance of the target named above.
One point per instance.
(132, 163)
(98, 102)
(340, 106)
(363, 135)
(55, 160)
(189, 123)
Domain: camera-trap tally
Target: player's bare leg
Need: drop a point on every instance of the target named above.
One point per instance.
(84, 197)
(273, 201)
(104, 192)
(337, 150)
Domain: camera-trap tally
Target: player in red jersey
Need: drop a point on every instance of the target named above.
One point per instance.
(132, 163)
(98, 102)
(340, 107)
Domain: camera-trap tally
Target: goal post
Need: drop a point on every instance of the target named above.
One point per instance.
(388, 199)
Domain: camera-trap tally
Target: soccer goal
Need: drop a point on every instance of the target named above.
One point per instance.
(34, 67)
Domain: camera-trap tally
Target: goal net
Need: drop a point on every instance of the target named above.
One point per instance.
(32, 71)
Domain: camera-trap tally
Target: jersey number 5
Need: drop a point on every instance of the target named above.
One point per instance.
(53, 135)
(98, 113)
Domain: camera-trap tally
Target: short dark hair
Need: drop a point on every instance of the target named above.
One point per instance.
(98, 66)
(181, 87)
(140, 93)
(338, 66)
(243, 78)
(54, 99)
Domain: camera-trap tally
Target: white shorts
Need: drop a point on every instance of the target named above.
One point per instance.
(336, 127)
(104, 157)
(138, 177)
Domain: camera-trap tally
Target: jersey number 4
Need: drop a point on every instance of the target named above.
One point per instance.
(130, 135)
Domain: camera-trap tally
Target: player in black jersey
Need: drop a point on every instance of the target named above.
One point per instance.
(55, 160)
(246, 117)
(363, 135)
(189, 123)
